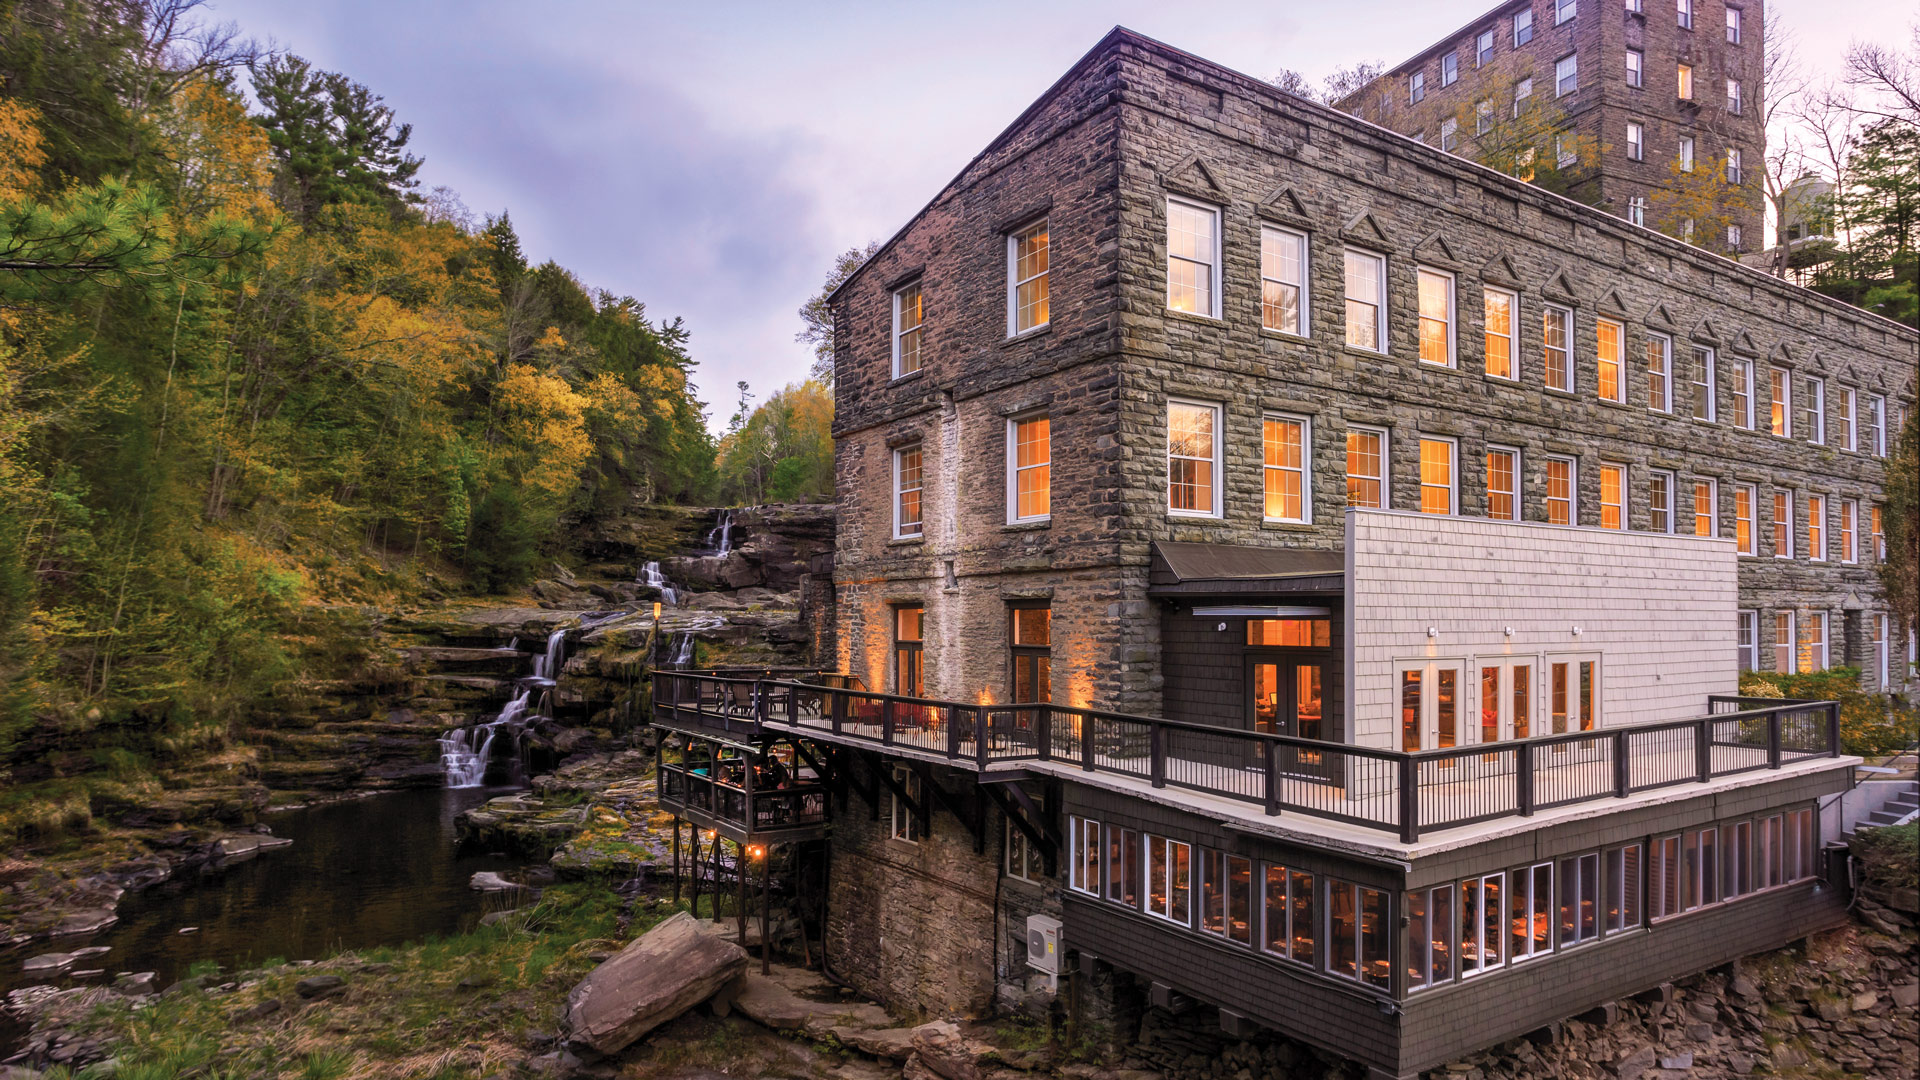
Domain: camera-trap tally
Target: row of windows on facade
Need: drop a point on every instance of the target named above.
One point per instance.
(1800, 641)
(1482, 50)
(1457, 930)
(1566, 80)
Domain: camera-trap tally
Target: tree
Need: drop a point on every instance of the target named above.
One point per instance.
(783, 451)
(1890, 79)
(1698, 205)
(1534, 140)
(1347, 81)
(818, 316)
(1900, 570)
(335, 140)
(1877, 265)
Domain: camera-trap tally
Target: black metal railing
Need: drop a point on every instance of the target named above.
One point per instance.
(790, 805)
(1390, 790)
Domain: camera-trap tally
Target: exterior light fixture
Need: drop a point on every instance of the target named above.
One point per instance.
(1433, 631)
(1576, 631)
(1222, 627)
(1509, 631)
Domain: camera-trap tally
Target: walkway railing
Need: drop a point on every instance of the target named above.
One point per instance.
(1389, 790)
(789, 806)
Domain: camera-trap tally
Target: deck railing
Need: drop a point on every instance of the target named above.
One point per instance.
(1390, 790)
(789, 806)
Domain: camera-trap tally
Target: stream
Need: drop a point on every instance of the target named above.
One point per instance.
(379, 870)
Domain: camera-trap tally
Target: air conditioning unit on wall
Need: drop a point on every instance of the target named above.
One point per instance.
(1043, 944)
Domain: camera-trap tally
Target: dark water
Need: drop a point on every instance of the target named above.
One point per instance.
(375, 871)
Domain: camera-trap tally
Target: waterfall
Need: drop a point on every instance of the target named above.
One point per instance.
(720, 538)
(650, 575)
(465, 752)
(682, 649)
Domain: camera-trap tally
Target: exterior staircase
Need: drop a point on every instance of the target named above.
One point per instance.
(1901, 808)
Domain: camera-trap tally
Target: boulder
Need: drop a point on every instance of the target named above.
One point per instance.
(314, 987)
(945, 1051)
(661, 974)
(488, 881)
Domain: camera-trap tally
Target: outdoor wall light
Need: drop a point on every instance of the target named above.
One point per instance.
(1509, 631)
(1576, 631)
(1433, 631)
(1222, 627)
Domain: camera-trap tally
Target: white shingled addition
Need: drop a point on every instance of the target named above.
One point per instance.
(1656, 611)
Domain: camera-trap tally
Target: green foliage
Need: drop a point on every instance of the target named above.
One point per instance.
(333, 139)
(1887, 855)
(816, 315)
(1900, 570)
(783, 450)
(1871, 725)
(1877, 211)
(503, 546)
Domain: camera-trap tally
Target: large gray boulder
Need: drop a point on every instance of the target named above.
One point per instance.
(663, 973)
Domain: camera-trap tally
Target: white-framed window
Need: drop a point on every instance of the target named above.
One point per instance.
(1637, 209)
(1563, 491)
(1633, 7)
(1029, 468)
(1579, 899)
(1686, 13)
(1817, 528)
(1291, 924)
(1028, 264)
(1636, 141)
(1169, 890)
(1556, 344)
(1883, 670)
(1876, 532)
(1877, 425)
(1622, 900)
(1848, 405)
(908, 480)
(1358, 934)
(1367, 467)
(1749, 640)
(1564, 10)
(909, 311)
(1780, 402)
(1283, 280)
(1286, 443)
(1813, 645)
(1733, 169)
(1226, 895)
(1706, 508)
(1686, 153)
(1193, 258)
(906, 824)
(1432, 704)
(1416, 88)
(1817, 411)
(1704, 396)
(1449, 134)
(1742, 379)
(1483, 936)
(1783, 524)
(1734, 238)
(1366, 289)
(1734, 106)
(1483, 48)
(1683, 79)
(1522, 27)
(1503, 483)
(1613, 496)
(1785, 644)
(1659, 373)
(1439, 475)
(1733, 25)
(1660, 489)
(1193, 459)
(1522, 90)
(1746, 537)
(1566, 75)
(1084, 861)
(1530, 912)
(1636, 71)
(1573, 693)
(1482, 116)
(1609, 349)
(1565, 152)
(1502, 312)
(1450, 69)
(1436, 317)
(1024, 860)
(1849, 531)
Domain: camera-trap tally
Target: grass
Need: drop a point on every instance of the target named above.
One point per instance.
(446, 1008)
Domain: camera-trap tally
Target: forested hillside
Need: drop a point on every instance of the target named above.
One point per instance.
(246, 365)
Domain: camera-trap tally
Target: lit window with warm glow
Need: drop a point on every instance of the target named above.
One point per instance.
(1609, 346)
(1290, 633)
(1746, 538)
(1684, 80)
(1031, 468)
(909, 678)
(1613, 496)
(906, 492)
(1031, 628)
(1560, 491)
(1027, 265)
(1366, 467)
(1706, 508)
(1193, 258)
(1436, 317)
(1285, 472)
(1659, 373)
(1780, 400)
(1437, 476)
(1503, 484)
(1556, 344)
(1193, 459)
(1283, 280)
(1500, 308)
(1817, 528)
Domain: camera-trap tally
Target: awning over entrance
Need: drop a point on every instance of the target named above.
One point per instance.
(1189, 569)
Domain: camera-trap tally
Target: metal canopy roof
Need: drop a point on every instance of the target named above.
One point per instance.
(1193, 569)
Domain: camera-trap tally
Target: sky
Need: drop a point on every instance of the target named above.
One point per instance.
(710, 159)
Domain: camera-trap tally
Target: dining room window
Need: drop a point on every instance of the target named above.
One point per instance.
(1226, 895)
(1483, 937)
(1579, 899)
(1290, 927)
(1622, 886)
(1430, 937)
(1169, 879)
(1085, 867)
(1358, 934)
(1530, 912)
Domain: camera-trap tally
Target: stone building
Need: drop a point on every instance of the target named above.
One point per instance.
(1231, 611)
(1650, 84)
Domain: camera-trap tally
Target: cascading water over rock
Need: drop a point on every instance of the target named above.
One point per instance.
(650, 575)
(720, 537)
(466, 752)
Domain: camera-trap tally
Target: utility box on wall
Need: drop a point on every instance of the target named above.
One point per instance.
(1043, 947)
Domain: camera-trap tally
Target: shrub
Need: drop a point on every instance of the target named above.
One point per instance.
(1871, 725)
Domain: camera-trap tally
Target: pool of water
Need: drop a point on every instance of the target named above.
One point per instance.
(375, 871)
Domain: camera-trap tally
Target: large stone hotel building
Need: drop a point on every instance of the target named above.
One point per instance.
(1290, 572)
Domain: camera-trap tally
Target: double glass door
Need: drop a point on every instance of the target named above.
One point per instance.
(1289, 696)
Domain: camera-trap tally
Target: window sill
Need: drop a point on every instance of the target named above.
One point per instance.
(1026, 335)
(1504, 380)
(1194, 317)
(914, 374)
(902, 541)
(1285, 335)
(1356, 350)
(1194, 519)
(1612, 404)
(1034, 525)
(1428, 365)
(1283, 525)
(1562, 393)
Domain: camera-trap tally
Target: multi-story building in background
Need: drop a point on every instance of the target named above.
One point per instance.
(1289, 570)
(1640, 92)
